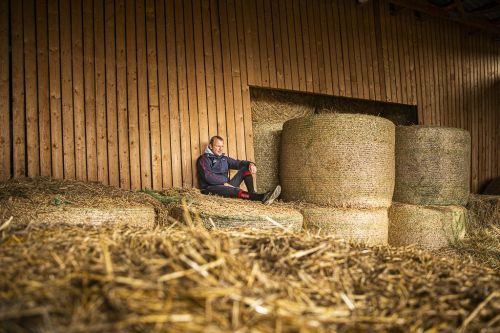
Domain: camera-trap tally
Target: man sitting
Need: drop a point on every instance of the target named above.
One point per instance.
(213, 174)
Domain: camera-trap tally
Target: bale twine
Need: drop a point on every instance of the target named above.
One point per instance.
(341, 160)
(369, 226)
(428, 227)
(432, 165)
(493, 187)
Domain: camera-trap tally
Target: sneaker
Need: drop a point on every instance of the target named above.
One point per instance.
(270, 196)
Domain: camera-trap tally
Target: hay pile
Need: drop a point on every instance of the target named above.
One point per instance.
(484, 209)
(482, 241)
(51, 201)
(133, 280)
(223, 213)
(341, 160)
(269, 111)
(429, 227)
(432, 165)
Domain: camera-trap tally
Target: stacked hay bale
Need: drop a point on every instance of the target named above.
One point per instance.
(52, 202)
(343, 163)
(214, 212)
(269, 112)
(432, 186)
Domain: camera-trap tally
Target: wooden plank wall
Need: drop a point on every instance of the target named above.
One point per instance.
(128, 92)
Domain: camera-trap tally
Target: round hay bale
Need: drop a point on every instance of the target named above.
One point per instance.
(432, 165)
(224, 213)
(267, 142)
(340, 160)
(131, 216)
(428, 227)
(493, 187)
(52, 202)
(369, 226)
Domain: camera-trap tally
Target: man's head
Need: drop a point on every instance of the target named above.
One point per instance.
(216, 145)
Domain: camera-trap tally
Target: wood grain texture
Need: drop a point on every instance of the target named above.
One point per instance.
(100, 93)
(68, 120)
(78, 89)
(5, 143)
(18, 91)
(30, 83)
(132, 103)
(89, 86)
(129, 92)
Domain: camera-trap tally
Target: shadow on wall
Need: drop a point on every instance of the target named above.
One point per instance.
(272, 108)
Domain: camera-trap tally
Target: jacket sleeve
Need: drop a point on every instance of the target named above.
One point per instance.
(207, 173)
(237, 164)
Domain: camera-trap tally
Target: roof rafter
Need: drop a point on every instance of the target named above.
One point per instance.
(433, 10)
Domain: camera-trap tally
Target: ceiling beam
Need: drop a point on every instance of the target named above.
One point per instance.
(485, 10)
(430, 9)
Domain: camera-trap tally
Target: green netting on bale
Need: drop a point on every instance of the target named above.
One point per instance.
(432, 165)
(338, 160)
(369, 226)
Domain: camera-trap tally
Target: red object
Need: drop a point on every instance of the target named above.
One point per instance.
(243, 195)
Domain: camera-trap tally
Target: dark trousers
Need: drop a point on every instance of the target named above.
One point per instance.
(234, 191)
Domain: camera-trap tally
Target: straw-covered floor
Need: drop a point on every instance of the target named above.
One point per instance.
(177, 278)
(120, 279)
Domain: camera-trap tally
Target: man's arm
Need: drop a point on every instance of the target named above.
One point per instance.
(238, 164)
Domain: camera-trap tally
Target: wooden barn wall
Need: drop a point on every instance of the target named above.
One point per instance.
(127, 92)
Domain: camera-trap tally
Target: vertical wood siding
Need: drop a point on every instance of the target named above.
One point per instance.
(128, 92)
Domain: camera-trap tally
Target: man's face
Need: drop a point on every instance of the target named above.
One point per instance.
(217, 147)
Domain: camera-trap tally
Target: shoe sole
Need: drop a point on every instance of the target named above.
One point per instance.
(276, 193)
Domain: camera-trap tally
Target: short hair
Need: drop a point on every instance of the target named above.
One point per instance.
(215, 137)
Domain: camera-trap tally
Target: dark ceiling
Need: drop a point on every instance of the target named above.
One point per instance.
(478, 14)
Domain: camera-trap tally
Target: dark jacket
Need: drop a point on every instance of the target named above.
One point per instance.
(214, 170)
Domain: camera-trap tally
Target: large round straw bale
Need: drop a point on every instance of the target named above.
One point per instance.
(432, 165)
(131, 216)
(269, 111)
(428, 227)
(369, 226)
(341, 160)
(53, 202)
(267, 142)
(224, 213)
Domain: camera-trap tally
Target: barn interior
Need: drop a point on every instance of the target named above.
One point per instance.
(377, 120)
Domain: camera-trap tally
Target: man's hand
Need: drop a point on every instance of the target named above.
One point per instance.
(252, 168)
